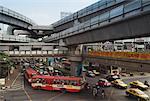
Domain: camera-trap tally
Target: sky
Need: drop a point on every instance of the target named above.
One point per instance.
(45, 12)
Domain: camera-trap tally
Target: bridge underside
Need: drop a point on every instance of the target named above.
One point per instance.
(135, 65)
(13, 21)
(124, 29)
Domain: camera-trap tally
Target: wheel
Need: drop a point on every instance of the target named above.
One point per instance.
(38, 88)
(139, 99)
(63, 90)
(94, 92)
(127, 94)
(103, 95)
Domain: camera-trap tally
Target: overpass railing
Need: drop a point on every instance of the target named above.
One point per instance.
(14, 14)
(124, 11)
(100, 5)
(6, 37)
(34, 53)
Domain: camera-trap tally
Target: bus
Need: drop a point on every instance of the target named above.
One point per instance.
(60, 83)
(29, 73)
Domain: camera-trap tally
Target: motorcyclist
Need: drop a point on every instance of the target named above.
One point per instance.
(87, 86)
(146, 83)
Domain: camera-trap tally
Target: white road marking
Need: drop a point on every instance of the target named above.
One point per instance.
(111, 93)
(29, 97)
(15, 80)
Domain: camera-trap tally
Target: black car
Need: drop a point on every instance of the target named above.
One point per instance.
(112, 77)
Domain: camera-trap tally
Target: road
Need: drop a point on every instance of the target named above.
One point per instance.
(28, 94)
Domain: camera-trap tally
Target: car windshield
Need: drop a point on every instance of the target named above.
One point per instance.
(105, 80)
(121, 82)
(115, 77)
(90, 71)
(139, 82)
(140, 92)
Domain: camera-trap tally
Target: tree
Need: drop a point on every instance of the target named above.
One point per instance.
(5, 64)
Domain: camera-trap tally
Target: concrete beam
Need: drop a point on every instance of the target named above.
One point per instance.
(124, 29)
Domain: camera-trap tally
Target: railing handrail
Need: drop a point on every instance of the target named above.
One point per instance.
(17, 38)
(16, 15)
(123, 11)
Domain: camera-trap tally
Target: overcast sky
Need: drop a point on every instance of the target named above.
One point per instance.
(45, 12)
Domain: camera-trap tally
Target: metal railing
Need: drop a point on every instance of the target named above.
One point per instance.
(16, 38)
(123, 11)
(31, 53)
(16, 15)
(100, 5)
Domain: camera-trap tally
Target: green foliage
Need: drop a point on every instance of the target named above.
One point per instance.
(4, 57)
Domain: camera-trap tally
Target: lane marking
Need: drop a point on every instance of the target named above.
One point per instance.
(29, 97)
(54, 97)
(111, 93)
(15, 79)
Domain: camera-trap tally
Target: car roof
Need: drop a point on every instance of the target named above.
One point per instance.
(135, 89)
(138, 82)
(103, 79)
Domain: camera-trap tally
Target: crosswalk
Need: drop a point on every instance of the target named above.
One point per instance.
(18, 83)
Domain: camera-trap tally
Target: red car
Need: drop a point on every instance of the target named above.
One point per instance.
(103, 83)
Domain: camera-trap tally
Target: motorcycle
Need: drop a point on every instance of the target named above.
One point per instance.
(146, 83)
(97, 90)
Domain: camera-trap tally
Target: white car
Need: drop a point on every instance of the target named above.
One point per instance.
(90, 74)
(96, 72)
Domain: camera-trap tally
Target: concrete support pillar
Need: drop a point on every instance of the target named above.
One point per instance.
(76, 65)
(72, 49)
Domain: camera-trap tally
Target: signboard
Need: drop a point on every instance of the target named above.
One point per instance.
(2, 81)
(131, 55)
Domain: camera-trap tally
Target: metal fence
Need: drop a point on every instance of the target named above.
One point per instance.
(127, 10)
(11, 13)
(16, 38)
(23, 53)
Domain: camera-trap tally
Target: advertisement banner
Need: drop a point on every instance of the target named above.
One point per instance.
(130, 55)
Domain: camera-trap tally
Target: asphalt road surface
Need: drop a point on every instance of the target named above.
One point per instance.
(112, 94)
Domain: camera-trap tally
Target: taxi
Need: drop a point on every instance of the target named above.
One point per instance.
(119, 83)
(138, 84)
(140, 95)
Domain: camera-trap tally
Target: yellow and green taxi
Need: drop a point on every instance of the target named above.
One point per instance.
(135, 92)
(119, 83)
(138, 84)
